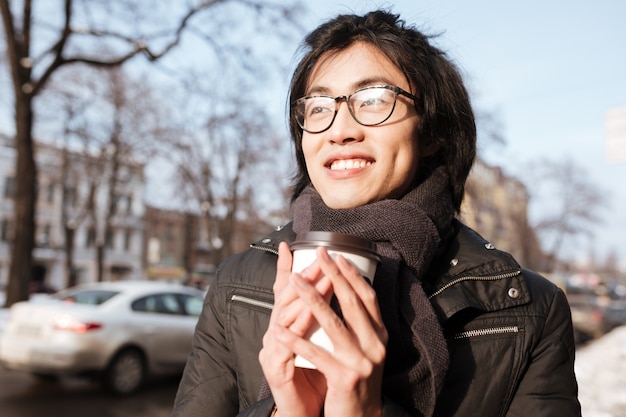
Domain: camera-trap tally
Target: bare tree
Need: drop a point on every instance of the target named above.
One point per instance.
(226, 168)
(569, 205)
(37, 49)
(113, 122)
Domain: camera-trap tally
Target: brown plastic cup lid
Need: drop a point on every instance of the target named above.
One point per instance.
(336, 241)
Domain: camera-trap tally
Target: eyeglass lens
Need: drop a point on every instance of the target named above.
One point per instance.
(368, 106)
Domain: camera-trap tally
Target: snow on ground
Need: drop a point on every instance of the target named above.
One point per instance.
(601, 371)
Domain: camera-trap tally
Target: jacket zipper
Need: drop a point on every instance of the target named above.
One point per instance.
(486, 332)
(265, 248)
(251, 301)
(473, 278)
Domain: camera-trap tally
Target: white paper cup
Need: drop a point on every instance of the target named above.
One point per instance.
(360, 252)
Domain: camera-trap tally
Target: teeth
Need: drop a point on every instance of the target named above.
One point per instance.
(349, 164)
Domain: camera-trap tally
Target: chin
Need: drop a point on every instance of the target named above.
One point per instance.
(344, 203)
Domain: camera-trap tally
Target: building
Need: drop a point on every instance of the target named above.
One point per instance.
(75, 197)
(177, 247)
(496, 206)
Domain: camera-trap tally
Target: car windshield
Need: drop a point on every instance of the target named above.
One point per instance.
(91, 297)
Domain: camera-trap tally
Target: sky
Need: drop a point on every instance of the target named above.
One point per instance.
(550, 71)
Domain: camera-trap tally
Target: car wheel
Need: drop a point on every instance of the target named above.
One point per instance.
(126, 372)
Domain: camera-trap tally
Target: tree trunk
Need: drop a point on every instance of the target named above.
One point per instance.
(24, 200)
(100, 261)
(69, 257)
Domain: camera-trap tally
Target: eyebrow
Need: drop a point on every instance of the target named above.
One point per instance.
(366, 82)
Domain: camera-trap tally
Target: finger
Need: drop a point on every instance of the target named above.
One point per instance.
(358, 303)
(303, 347)
(350, 285)
(286, 302)
(321, 310)
(276, 359)
(346, 354)
(362, 288)
(283, 271)
(283, 295)
(283, 267)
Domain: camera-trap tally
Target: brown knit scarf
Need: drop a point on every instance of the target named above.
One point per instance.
(407, 233)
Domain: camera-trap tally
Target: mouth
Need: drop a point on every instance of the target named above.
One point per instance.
(344, 164)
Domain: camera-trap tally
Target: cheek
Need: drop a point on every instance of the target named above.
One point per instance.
(406, 164)
(307, 153)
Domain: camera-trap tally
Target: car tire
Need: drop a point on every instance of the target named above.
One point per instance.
(126, 372)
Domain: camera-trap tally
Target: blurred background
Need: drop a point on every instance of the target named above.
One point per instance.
(145, 140)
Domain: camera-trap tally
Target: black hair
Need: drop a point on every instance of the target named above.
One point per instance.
(447, 119)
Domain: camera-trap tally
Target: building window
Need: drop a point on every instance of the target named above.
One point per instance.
(129, 204)
(70, 196)
(128, 237)
(109, 239)
(9, 187)
(115, 202)
(50, 193)
(91, 237)
(44, 237)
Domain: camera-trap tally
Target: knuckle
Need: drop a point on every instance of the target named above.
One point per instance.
(369, 295)
(336, 323)
(350, 300)
(352, 378)
(378, 354)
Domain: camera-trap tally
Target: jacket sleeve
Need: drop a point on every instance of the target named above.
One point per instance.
(208, 385)
(548, 387)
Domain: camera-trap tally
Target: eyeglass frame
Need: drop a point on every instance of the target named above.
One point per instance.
(396, 90)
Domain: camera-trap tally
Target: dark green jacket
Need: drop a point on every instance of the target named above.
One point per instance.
(509, 332)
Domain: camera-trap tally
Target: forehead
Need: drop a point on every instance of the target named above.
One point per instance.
(359, 65)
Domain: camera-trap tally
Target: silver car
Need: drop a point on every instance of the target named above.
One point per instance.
(120, 332)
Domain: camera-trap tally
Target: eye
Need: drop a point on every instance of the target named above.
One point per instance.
(319, 107)
(373, 100)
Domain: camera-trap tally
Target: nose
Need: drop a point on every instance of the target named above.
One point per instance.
(344, 128)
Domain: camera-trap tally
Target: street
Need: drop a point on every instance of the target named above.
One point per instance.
(22, 395)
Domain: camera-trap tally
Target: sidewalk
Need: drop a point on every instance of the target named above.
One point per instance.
(601, 372)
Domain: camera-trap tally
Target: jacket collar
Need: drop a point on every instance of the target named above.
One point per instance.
(472, 273)
(270, 242)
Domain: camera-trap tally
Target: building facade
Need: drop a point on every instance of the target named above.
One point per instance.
(75, 199)
(496, 206)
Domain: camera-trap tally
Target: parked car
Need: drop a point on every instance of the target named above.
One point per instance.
(593, 315)
(120, 332)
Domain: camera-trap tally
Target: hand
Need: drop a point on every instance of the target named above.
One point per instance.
(353, 372)
(297, 391)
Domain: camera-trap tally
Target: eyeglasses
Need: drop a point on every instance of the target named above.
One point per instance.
(369, 106)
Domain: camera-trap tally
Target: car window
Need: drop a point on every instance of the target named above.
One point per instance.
(158, 303)
(192, 304)
(90, 297)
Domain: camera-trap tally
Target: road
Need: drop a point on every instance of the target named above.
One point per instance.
(22, 395)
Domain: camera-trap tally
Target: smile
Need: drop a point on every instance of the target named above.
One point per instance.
(343, 164)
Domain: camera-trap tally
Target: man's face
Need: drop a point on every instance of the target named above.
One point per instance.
(350, 164)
